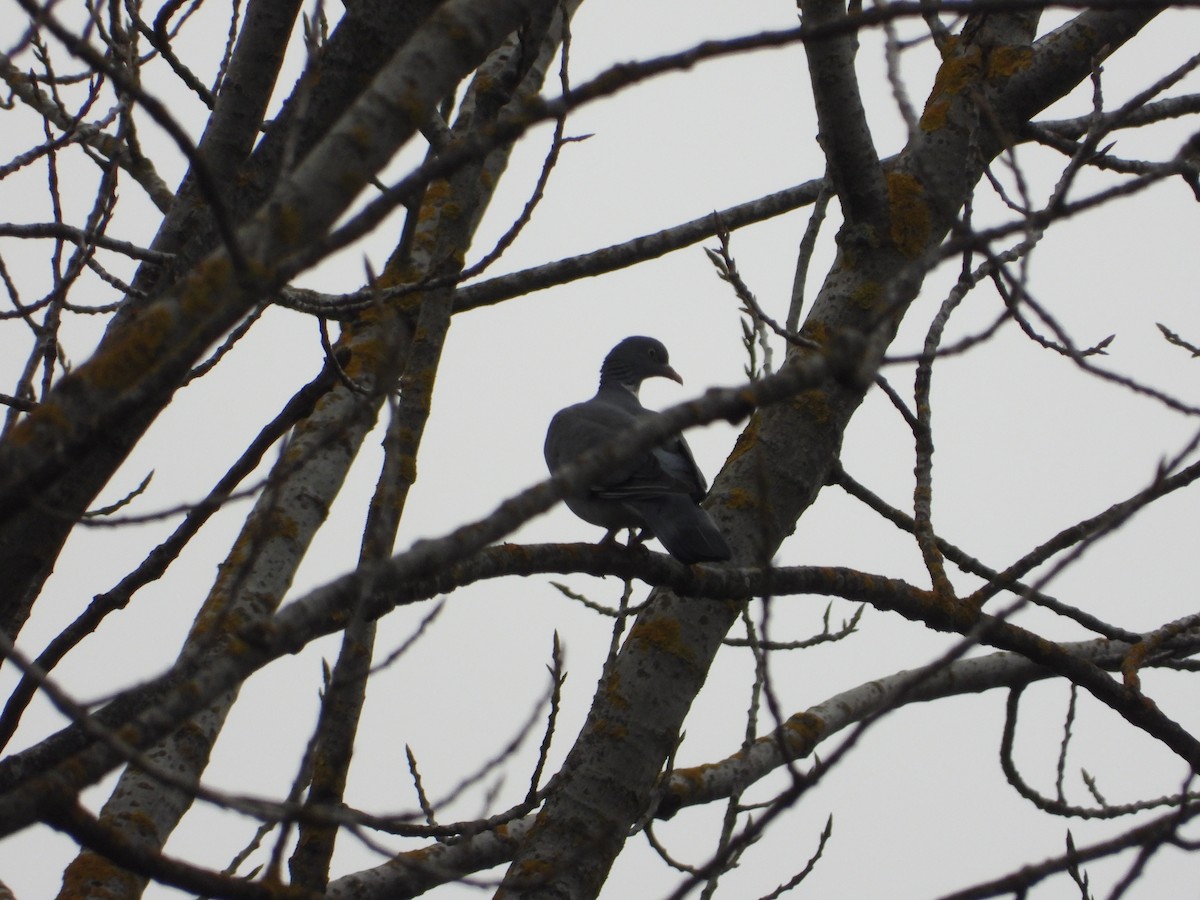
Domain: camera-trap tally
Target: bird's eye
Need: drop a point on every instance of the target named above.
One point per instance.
(652, 352)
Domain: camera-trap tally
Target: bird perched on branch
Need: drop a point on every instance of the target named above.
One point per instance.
(658, 491)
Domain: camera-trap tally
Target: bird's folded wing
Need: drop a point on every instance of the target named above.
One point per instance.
(586, 426)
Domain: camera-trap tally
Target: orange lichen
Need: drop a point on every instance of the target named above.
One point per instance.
(610, 729)
(130, 351)
(816, 331)
(368, 352)
(1006, 61)
(288, 223)
(663, 633)
(612, 692)
(934, 116)
(536, 867)
(48, 415)
(813, 404)
(436, 194)
(740, 498)
(91, 875)
(957, 72)
(695, 775)
(206, 287)
(911, 220)
(745, 441)
(360, 136)
(804, 730)
(867, 295)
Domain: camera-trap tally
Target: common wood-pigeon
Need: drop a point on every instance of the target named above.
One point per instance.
(659, 490)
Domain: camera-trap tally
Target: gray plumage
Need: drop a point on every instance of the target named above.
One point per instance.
(659, 490)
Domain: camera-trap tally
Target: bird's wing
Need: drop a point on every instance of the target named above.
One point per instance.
(582, 427)
(658, 490)
(676, 460)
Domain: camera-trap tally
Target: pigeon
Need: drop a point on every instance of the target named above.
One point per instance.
(658, 491)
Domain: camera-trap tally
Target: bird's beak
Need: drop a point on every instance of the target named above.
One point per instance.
(668, 372)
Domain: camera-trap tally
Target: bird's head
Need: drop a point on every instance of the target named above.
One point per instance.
(634, 360)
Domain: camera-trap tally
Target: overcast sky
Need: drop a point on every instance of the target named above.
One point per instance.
(1026, 445)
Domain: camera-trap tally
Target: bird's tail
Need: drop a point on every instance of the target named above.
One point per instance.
(686, 530)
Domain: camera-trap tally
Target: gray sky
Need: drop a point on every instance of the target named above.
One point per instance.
(1026, 445)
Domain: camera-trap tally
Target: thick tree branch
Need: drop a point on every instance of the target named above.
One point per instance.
(773, 475)
(137, 367)
(853, 163)
(413, 872)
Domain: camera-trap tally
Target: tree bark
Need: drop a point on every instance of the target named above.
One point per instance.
(893, 219)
